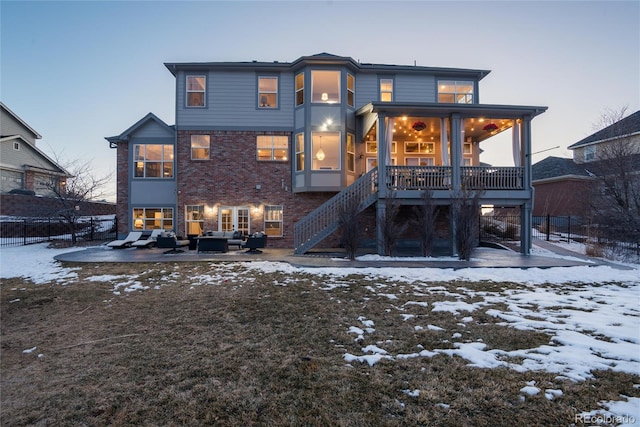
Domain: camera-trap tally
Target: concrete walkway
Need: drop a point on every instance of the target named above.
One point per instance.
(482, 258)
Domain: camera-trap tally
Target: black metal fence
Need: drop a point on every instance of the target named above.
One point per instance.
(554, 228)
(25, 231)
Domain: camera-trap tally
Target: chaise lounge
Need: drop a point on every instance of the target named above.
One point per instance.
(150, 241)
(127, 241)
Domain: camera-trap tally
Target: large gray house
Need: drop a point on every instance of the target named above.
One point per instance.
(23, 166)
(279, 147)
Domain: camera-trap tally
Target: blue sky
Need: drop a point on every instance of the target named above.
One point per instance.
(81, 70)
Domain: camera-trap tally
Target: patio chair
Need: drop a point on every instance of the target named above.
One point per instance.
(255, 242)
(149, 242)
(172, 243)
(127, 241)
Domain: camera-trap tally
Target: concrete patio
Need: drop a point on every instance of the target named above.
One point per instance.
(482, 258)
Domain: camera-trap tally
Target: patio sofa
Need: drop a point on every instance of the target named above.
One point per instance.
(234, 238)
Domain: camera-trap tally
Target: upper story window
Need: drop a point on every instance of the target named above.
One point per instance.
(589, 153)
(455, 92)
(196, 89)
(200, 147)
(300, 152)
(325, 86)
(16, 146)
(351, 90)
(386, 90)
(153, 160)
(267, 92)
(299, 89)
(325, 147)
(272, 147)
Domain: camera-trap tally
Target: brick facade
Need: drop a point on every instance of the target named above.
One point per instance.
(562, 197)
(230, 178)
(122, 183)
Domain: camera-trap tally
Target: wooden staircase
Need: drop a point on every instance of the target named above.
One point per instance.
(324, 220)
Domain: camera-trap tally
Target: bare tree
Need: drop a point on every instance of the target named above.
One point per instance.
(609, 117)
(82, 186)
(465, 206)
(391, 228)
(349, 221)
(424, 219)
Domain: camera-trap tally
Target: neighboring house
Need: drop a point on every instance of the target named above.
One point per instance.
(23, 166)
(280, 147)
(566, 186)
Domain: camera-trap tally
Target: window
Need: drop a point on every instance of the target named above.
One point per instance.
(455, 92)
(372, 147)
(325, 86)
(272, 147)
(200, 147)
(412, 147)
(300, 152)
(267, 92)
(299, 89)
(273, 220)
(196, 90)
(419, 161)
(351, 90)
(386, 90)
(194, 217)
(351, 153)
(325, 147)
(234, 218)
(589, 153)
(466, 148)
(16, 146)
(153, 160)
(152, 218)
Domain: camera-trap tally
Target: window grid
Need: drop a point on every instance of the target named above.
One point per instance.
(299, 89)
(300, 152)
(386, 90)
(455, 92)
(153, 160)
(272, 147)
(351, 153)
(200, 145)
(351, 90)
(194, 218)
(152, 218)
(196, 89)
(273, 220)
(267, 92)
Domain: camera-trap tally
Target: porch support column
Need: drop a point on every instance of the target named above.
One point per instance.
(444, 141)
(381, 207)
(456, 160)
(526, 220)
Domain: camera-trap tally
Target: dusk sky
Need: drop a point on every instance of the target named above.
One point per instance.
(81, 70)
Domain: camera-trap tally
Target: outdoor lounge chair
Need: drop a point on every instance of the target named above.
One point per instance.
(127, 241)
(149, 242)
(172, 243)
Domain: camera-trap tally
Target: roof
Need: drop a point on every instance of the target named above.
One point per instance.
(554, 167)
(325, 58)
(124, 136)
(627, 126)
(36, 135)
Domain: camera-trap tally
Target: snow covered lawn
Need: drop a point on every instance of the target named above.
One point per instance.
(268, 343)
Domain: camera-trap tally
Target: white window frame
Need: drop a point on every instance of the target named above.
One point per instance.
(458, 96)
(421, 147)
(428, 161)
(351, 90)
(351, 153)
(237, 219)
(266, 93)
(315, 83)
(268, 151)
(273, 215)
(16, 146)
(299, 89)
(328, 148)
(589, 153)
(140, 220)
(144, 161)
(371, 147)
(299, 157)
(386, 81)
(201, 145)
(192, 90)
(193, 215)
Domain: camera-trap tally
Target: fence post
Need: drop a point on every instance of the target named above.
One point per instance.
(569, 231)
(49, 229)
(24, 232)
(91, 225)
(548, 226)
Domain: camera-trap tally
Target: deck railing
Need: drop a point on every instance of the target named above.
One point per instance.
(439, 177)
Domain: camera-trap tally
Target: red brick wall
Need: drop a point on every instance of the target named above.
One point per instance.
(559, 198)
(122, 182)
(230, 177)
(38, 206)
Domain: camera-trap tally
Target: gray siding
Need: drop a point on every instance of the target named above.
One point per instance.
(414, 88)
(26, 155)
(231, 102)
(152, 129)
(153, 193)
(10, 126)
(366, 89)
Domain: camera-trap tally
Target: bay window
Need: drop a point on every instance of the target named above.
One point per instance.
(300, 152)
(351, 90)
(351, 153)
(325, 147)
(299, 89)
(325, 86)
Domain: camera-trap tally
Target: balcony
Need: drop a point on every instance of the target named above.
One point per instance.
(408, 178)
